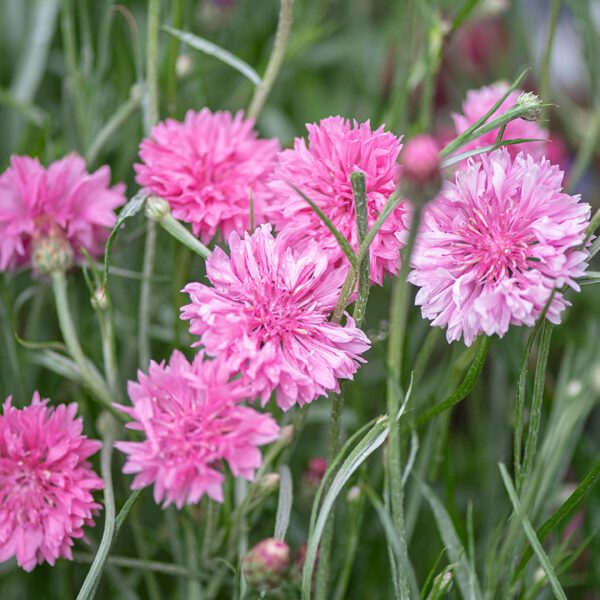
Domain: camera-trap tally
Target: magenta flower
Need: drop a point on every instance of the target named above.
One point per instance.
(63, 200)
(495, 244)
(479, 102)
(46, 483)
(192, 423)
(336, 148)
(207, 168)
(267, 317)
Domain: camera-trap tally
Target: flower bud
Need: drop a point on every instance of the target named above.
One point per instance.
(315, 471)
(266, 564)
(286, 435)
(157, 208)
(532, 103)
(353, 494)
(183, 65)
(51, 253)
(267, 485)
(421, 176)
(99, 301)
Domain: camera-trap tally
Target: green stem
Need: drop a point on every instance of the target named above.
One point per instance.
(172, 54)
(112, 126)
(212, 520)
(586, 151)
(151, 113)
(275, 61)
(552, 24)
(194, 591)
(171, 225)
(89, 373)
(145, 295)
(357, 179)
(398, 315)
(92, 579)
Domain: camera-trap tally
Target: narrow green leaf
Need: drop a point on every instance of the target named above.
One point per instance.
(464, 389)
(536, 402)
(484, 149)
(341, 240)
(359, 192)
(132, 208)
(531, 535)
(465, 575)
(124, 512)
(284, 505)
(203, 45)
(392, 537)
(59, 364)
(563, 512)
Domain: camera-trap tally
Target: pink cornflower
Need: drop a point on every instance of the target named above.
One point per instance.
(267, 317)
(63, 200)
(193, 424)
(46, 483)
(479, 102)
(321, 170)
(495, 244)
(208, 168)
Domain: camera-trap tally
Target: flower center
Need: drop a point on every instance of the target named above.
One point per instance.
(492, 247)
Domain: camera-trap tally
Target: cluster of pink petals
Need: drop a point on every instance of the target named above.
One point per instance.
(208, 168)
(267, 316)
(46, 483)
(321, 170)
(479, 102)
(192, 423)
(64, 199)
(496, 243)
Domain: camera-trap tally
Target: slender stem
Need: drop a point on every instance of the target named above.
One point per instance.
(9, 345)
(89, 373)
(172, 54)
(145, 295)
(212, 519)
(398, 315)
(151, 117)
(194, 591)
(275, 61)
(92, 579)
(151, 113)
(109, 354)
(183, 235)
(586, 152)
(357, 180)
(552, 24)
(112, 126)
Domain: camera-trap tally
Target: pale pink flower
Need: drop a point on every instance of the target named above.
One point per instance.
(208, 168)
(321, 170)
(193, 424)
(495, 244)
(63, 199)
(267, 317)
(46, 483)
(479, 102)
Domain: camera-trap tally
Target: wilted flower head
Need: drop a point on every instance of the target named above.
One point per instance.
(63, 202)
(46, 483)
(208, 168)
(321, 170)
(495, 244)
(267, 317)
(479, 102)
(192, 424)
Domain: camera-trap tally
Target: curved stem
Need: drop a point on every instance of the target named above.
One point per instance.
(275, 61)
(145, 295)
(89, 373)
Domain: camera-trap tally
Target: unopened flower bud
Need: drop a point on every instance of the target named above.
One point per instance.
(99, 300)
(267, 485)
(183, 65)
(157, 208)
(443, 581)
(532, 103)
(421, 176)
(353, 494)
(266, 564)
(51, 253)
(315, 471)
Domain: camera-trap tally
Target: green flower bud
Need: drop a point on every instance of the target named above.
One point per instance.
(533, 104)
(266, 564)
(157, 208)
(51, 253)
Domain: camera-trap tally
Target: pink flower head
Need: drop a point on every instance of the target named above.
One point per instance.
(321, 170)
(46, 482)
(208, 168)
(192, 424)
(63, 200)
(267, 316)
(479, 102)
(495, 244)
